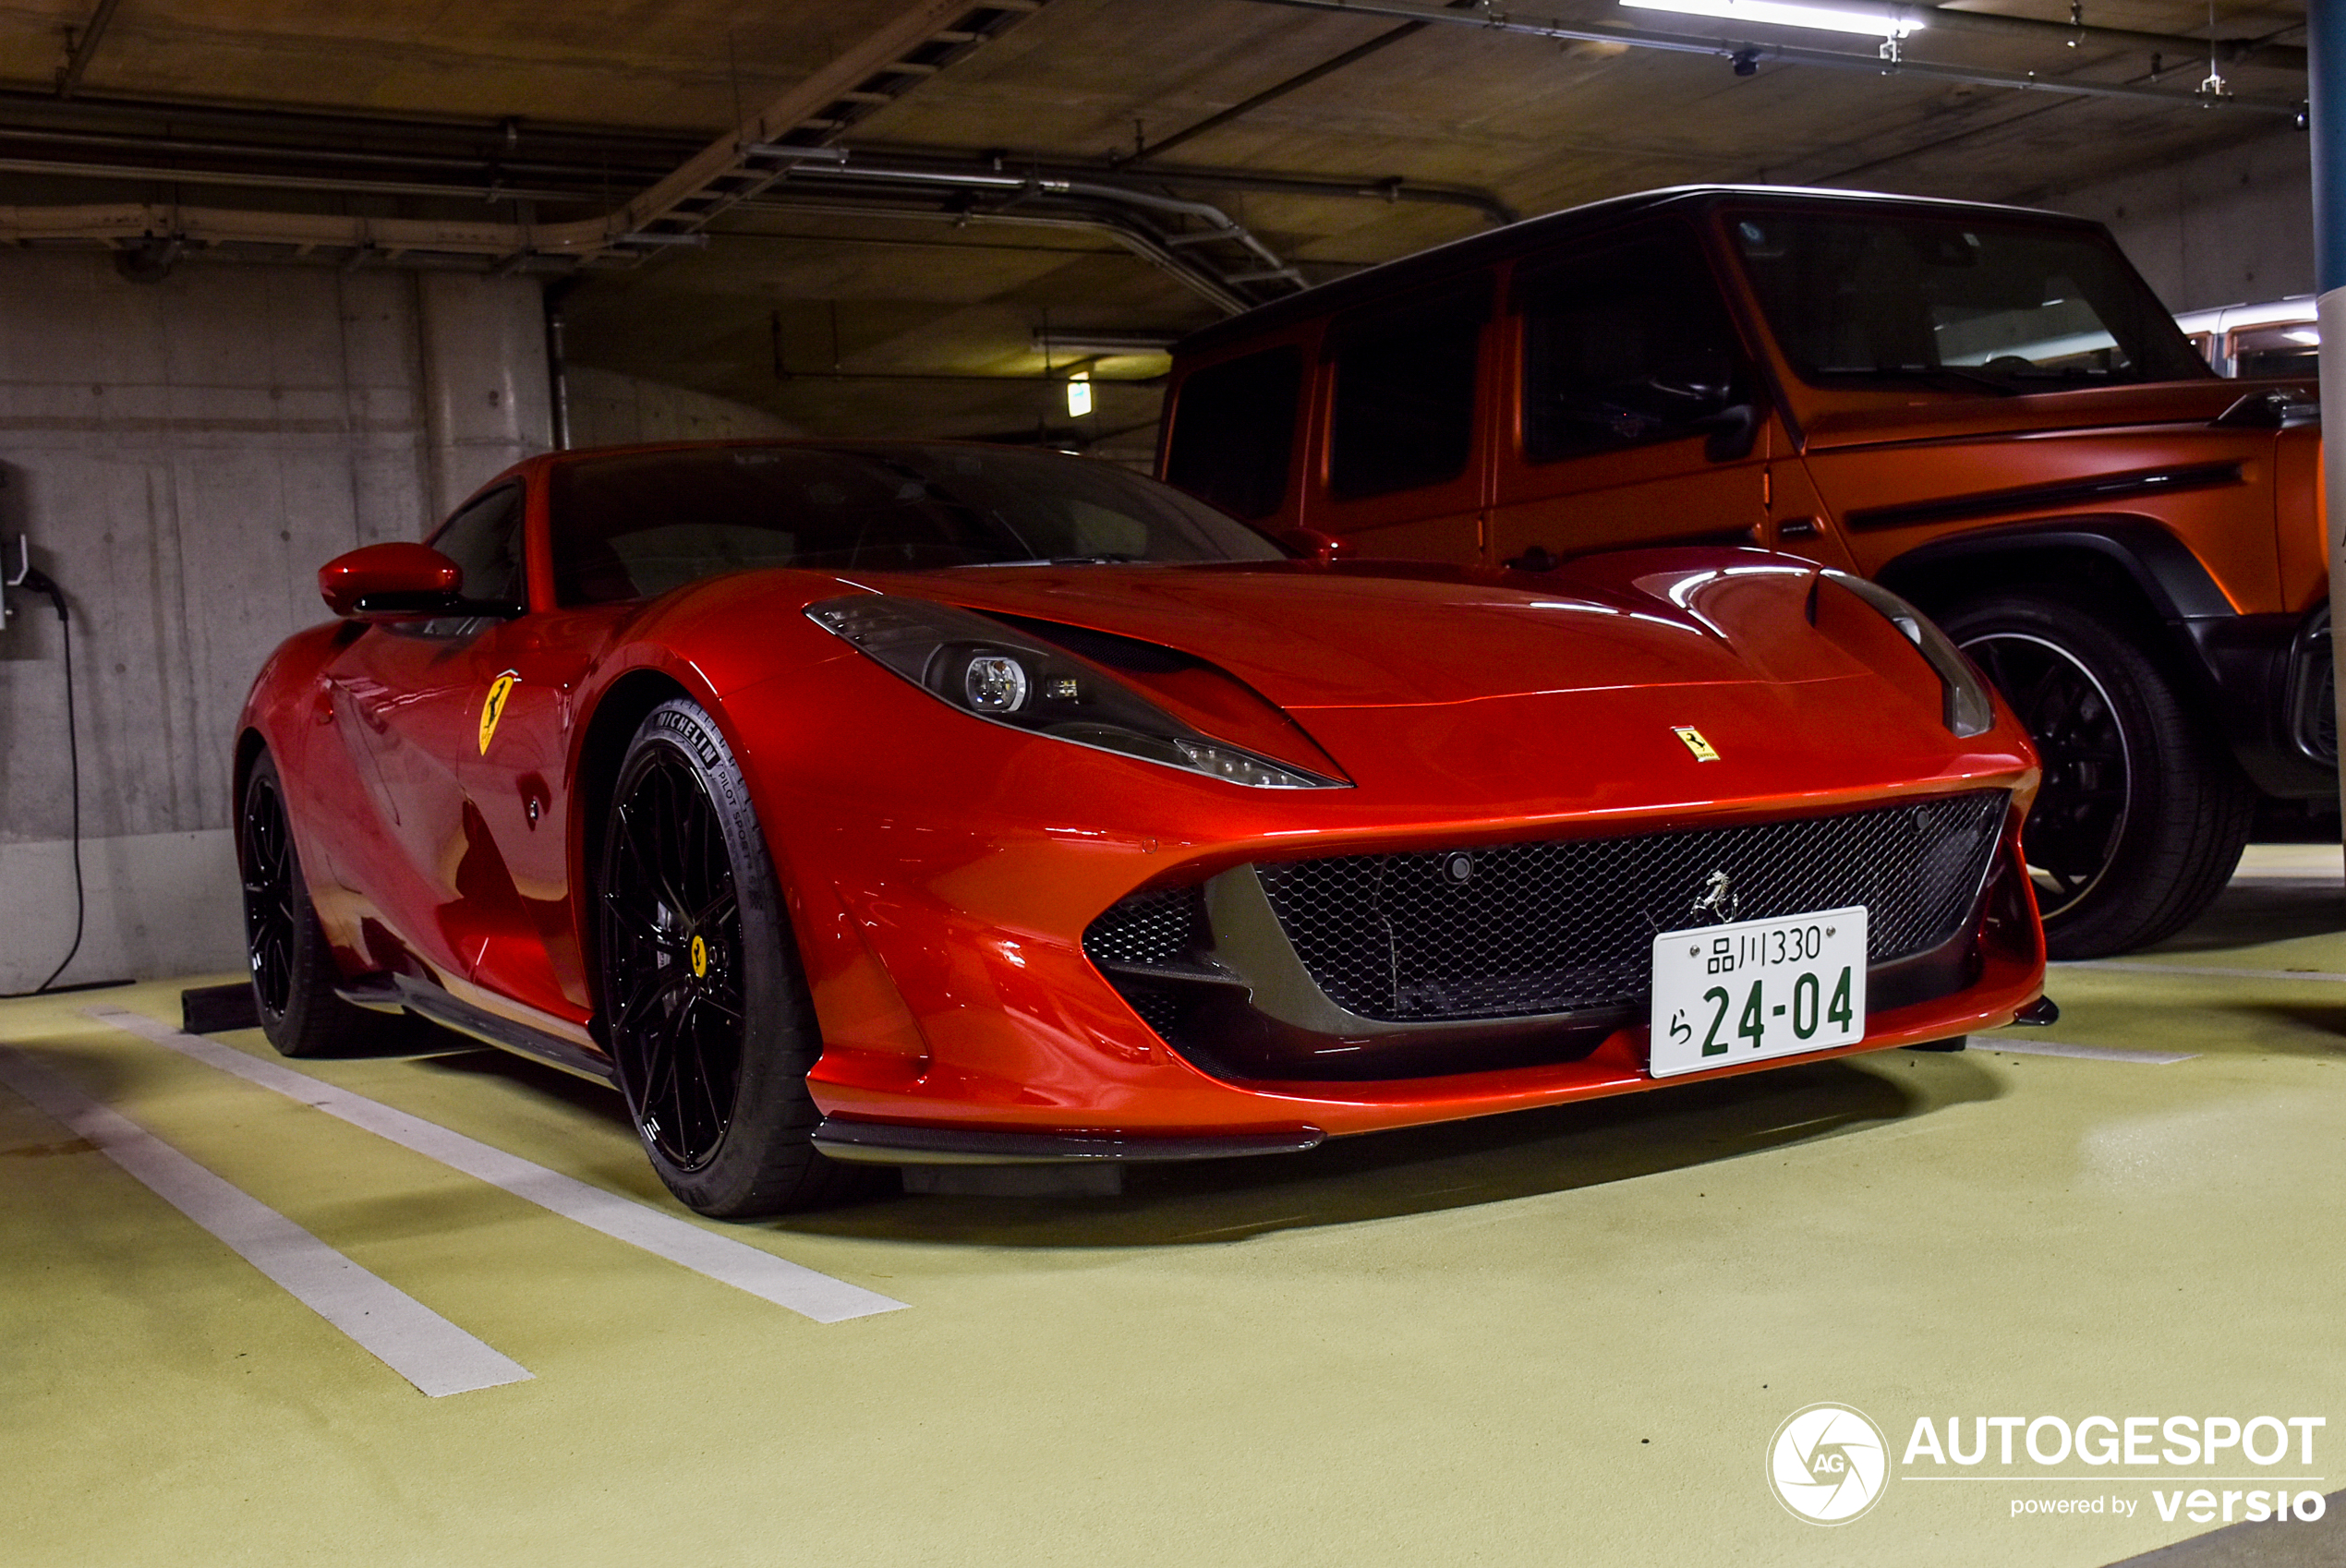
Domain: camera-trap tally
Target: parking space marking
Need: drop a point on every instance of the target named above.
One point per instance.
(2319, 977)
(793, 1286)
(2025, 1048)
(397, 1329)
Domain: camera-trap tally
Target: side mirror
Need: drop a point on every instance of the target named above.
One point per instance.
(1734, 430)
(1326, 549)
(391, 582)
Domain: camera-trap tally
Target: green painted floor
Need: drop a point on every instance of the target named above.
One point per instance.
(1560, 1337)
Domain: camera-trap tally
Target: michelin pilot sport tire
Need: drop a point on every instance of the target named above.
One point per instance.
(704, 1004)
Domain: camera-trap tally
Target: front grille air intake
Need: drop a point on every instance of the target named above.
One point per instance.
(1510, 930)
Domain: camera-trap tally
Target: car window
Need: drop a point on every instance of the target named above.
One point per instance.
(1405, 384)
(1928, 298)
(2284, 348)
(1624, 347)
(1233, 427)
(633, 525)
(485, 538)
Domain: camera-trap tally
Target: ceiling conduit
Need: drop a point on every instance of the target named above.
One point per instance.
(673, 209)
(1726, 46)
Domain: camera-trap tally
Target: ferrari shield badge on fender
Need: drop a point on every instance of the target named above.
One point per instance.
(503, 687)
(1703, 750)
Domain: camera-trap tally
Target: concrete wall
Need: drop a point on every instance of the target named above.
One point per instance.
(2225, 228)
(609, 408)
(184, 455)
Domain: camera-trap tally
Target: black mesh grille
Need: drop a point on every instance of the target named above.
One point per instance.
(1514, 929)
(1157, 929)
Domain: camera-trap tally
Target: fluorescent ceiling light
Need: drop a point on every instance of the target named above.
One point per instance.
(1878, 21)
(1079, 396)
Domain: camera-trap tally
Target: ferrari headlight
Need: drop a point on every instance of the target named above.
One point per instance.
(1967, 709)
(995, 683)
(986, 670)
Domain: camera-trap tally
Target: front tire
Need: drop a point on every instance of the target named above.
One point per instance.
(2143, 813)
(293, 973)
(704, 1002)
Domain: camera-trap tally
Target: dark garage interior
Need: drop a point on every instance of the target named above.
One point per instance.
(289, 284)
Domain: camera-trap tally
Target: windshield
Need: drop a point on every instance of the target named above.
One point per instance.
(633, 525)
(1969, 303)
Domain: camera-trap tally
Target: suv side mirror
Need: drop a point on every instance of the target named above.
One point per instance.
(1733, 430)
(392, 583)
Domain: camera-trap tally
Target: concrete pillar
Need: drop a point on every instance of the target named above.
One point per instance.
(2326, 106)
(486, 397)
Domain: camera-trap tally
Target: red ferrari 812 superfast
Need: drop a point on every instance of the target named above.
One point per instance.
(899, 803)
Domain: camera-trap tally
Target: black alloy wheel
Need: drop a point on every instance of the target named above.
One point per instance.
(674, 930)
(705, 1009)
(2080, 815)
(293, 973)
(2143, 812)
(271, 924)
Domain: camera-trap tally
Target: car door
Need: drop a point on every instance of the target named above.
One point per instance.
(1636, 414)
(517, 781)
(406, 700)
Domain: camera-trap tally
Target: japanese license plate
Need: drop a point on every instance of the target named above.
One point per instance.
(1758, 988)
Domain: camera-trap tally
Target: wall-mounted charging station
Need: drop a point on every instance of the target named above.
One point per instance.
(21, 577)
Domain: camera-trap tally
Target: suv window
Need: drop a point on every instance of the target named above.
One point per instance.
(1232, 427)
(485, 539)
(1963, 302)
(1623, 348)
(1403, 412)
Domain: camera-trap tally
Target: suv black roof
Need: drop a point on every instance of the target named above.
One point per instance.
(1426, 266)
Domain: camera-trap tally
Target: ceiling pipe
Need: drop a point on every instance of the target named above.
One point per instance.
(620, 233)
(1743, 50)
(1105, 345)
(85, 48)
(1218, 224)
(2178, 46)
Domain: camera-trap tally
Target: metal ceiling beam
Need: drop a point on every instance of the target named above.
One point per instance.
(648, 218)
(1728, 46)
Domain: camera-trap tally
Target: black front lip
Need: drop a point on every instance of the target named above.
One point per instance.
(891, 1143)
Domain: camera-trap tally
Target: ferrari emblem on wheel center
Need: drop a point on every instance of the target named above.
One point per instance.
(494, 708)
(700, 958)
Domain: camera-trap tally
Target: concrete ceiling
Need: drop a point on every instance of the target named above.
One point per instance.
(829, 302)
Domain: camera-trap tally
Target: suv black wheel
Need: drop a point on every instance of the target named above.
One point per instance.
(294, 974)
(2143, 813)
(704, 1004)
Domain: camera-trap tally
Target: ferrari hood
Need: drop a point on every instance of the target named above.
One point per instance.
(1385, 636)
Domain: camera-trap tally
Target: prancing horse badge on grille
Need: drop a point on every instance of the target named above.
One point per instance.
(1717, 899)
(1703, 750)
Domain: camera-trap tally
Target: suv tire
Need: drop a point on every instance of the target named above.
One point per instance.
(2143, 812)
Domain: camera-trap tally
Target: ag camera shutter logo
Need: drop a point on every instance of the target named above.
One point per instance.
(1826, 1464)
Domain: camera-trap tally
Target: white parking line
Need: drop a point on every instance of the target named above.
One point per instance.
(778, 1280)
(405, 1334)
(2020, 1046)
(2318, 977)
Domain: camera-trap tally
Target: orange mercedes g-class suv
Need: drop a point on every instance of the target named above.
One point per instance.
(1984, 408)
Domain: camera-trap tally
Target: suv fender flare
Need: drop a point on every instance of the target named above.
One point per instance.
(2172, 582)
(2250, 675)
